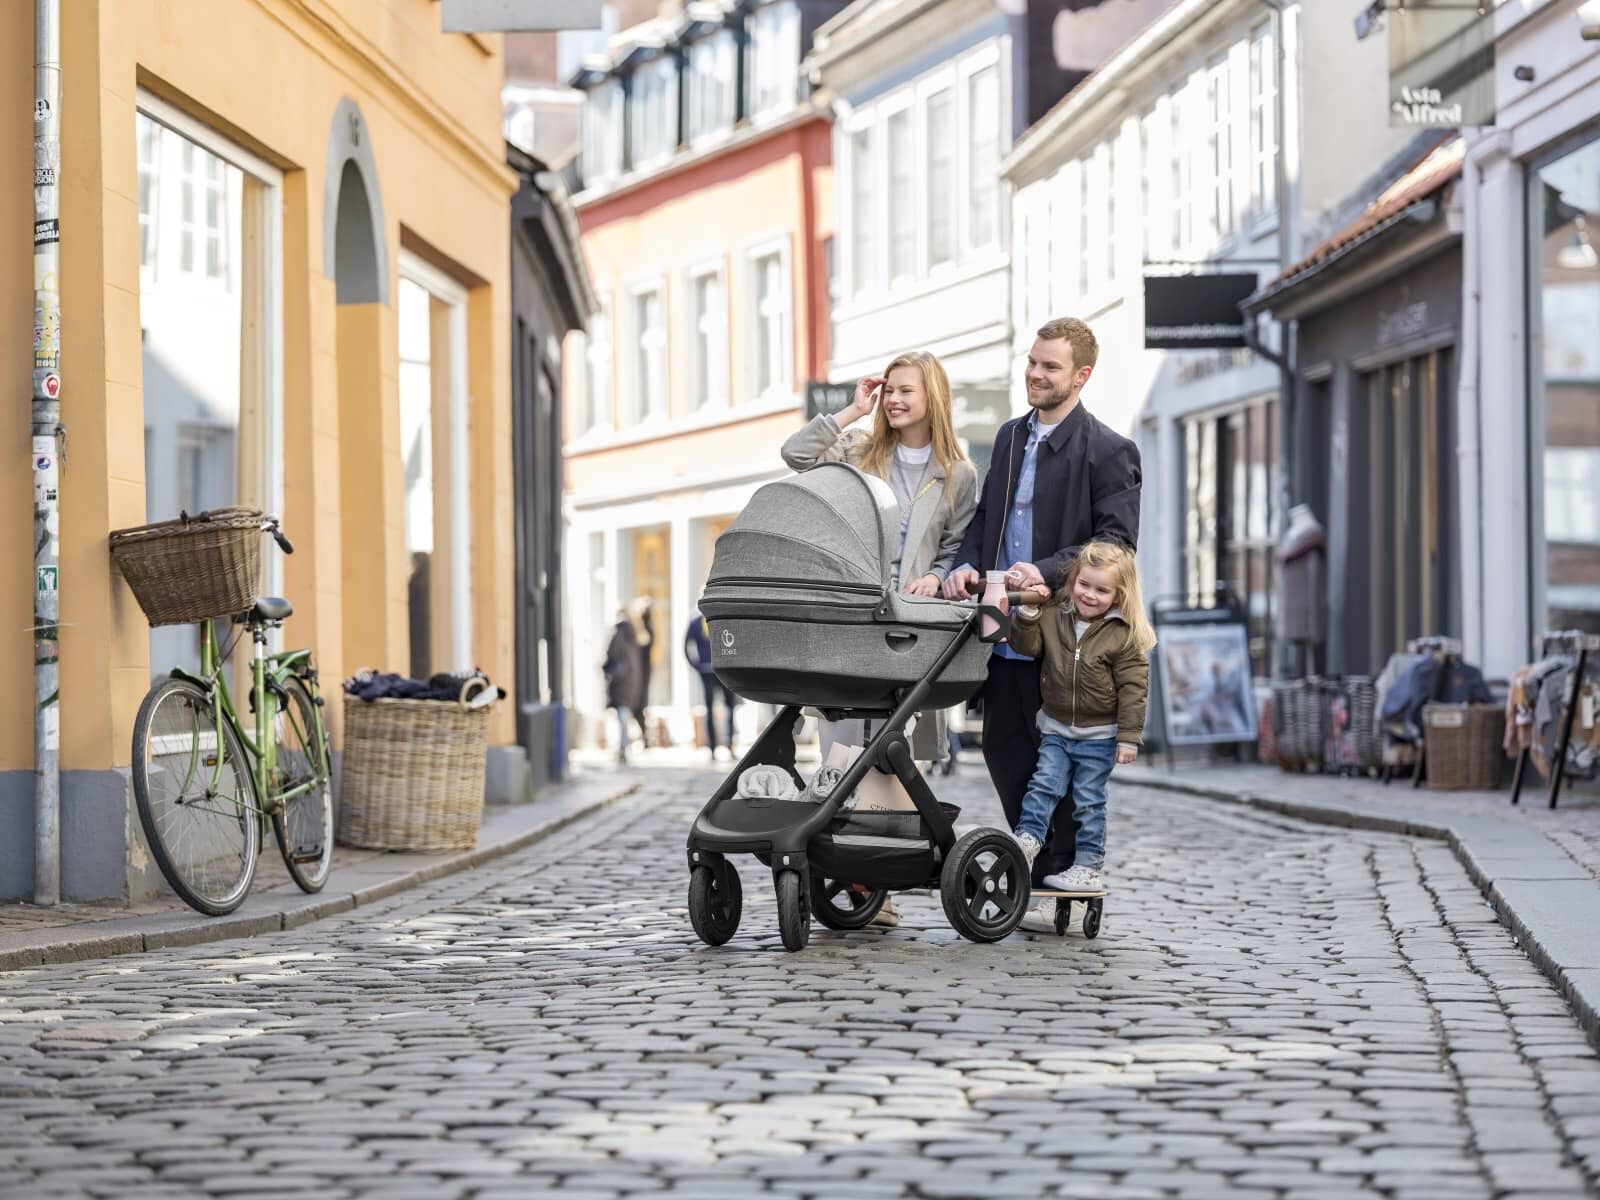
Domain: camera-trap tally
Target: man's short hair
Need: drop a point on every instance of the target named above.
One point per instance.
(1085, 350)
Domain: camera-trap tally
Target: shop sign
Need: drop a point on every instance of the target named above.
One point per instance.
(822, 397)
(1441, 64)
(519, 16)
(1195, 312)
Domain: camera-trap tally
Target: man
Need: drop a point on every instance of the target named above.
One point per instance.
(697, 649)
(1057, 480)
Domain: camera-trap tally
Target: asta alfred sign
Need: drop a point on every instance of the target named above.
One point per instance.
(1195, 312)
(1441, 64)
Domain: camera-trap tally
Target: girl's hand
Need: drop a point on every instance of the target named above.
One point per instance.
(927, 585)
(866, 400)
(1126, 754)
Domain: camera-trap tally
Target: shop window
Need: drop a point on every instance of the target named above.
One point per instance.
(644, 561)
(1230, 477)
(210, 320)
(1566, 378)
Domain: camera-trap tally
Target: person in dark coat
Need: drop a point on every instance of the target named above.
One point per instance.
(624, 671)
(1058, 479)
(697, 649)
(644, 631)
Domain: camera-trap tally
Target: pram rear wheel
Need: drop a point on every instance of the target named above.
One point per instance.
(838, 905)
(1091, 919)
(984, 885)
(794, 909)
(716, 900)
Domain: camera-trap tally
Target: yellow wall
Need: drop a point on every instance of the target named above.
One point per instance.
(269, 75)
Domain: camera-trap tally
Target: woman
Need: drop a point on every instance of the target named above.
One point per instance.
(911, 446)
(623, 670)
(644, 632)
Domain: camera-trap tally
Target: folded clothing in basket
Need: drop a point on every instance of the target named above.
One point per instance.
(368, 684)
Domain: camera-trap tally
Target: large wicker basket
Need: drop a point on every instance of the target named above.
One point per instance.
(412, 774)
(193, 568)
(1463, 745)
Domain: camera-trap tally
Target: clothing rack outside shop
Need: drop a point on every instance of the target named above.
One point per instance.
(1585, 648)
(1448, 650)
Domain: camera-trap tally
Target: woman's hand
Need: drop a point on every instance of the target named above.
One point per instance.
(927, 585)
(1126, 754)
(866, 400)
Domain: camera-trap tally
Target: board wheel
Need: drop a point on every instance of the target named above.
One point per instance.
(1091, 919)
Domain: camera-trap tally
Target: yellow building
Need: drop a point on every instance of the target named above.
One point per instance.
(284, 282)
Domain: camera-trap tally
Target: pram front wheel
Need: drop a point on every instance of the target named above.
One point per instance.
(716, 900)
(794, 909)
(838, 905)
(984, 885)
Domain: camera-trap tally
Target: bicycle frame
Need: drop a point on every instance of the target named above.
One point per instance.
(268, 673)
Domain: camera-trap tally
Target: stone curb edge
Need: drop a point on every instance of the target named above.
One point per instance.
(1584, 1000)
(225, 928)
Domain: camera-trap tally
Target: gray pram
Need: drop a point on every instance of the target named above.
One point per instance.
(801, 611)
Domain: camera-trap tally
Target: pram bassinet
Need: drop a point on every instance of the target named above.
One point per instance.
(802, 609)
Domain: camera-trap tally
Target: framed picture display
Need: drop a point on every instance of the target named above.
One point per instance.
(1206, 687)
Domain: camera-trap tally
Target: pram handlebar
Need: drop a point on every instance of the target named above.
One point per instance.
(975, 588)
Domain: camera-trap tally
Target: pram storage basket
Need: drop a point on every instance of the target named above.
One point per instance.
(801, 606)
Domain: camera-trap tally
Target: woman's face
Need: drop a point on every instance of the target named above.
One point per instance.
(905, 399)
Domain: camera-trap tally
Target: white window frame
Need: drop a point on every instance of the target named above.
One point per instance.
(1220, 209)
(269, 383)
(1262, 90)
(602, 132)
(984, 59)
(641, 413)
(148, 174)
(600, 352)
(943, 84)
(458, 562)
(774, 62)
(862, 276)
(658, 123)
(714, 332)
(712, 66)
(900, 104)
(1152, 217)
(783, 386)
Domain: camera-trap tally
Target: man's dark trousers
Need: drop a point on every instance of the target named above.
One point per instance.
(1011, 748)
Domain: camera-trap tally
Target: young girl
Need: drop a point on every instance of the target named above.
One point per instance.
(1093, 637)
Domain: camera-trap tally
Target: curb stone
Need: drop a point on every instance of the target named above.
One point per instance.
(180, 929)
(1578, 985)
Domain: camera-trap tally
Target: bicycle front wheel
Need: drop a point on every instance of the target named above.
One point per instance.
(196, 797)
(303, 823)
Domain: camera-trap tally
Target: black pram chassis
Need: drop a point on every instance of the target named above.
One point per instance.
(982, 878)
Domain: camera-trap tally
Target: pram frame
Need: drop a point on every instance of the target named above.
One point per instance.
(770, 832)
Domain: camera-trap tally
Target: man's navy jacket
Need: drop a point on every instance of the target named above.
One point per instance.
(1086, 488)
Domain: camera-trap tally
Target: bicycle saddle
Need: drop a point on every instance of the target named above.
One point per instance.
(270, 608)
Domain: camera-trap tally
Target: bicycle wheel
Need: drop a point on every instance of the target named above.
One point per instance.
(196, 797)
(304, 823)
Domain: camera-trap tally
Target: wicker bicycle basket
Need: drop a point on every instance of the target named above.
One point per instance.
(193, 568)
(1463, 745)
(412, 774)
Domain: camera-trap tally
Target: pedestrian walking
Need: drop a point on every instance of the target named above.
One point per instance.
(1058, 479)
(697, 649)
(912, 446)
(623, 670)
(644, 631)
(1092, 638)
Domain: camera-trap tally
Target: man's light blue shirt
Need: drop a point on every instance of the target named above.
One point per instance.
(1017, 544)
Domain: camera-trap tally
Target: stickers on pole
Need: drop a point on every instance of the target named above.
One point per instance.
(46, 471)
(52, 726)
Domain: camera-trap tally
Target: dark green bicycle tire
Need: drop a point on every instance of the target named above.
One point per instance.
(182, 878)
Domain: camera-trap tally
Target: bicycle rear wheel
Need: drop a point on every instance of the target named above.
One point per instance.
(304, 823)
(196, 798)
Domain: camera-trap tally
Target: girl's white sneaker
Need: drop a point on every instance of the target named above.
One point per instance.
(1075, 879)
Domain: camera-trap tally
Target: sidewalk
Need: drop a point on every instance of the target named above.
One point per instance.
(1539, 868)
(32, 936)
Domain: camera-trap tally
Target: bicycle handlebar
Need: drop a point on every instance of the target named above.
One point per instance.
(271, 525)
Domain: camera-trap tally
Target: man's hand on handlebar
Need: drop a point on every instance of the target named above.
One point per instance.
(959, 584)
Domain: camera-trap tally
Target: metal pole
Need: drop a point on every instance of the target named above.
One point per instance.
(45, 451)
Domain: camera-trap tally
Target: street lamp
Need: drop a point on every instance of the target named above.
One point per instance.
(1367, 19)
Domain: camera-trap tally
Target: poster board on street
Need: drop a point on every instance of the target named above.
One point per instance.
(1207, 693)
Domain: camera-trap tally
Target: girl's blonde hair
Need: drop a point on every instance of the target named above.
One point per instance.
(941, 420)
(1129, 597)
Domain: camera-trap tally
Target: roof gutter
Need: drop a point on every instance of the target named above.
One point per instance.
(1419, 211)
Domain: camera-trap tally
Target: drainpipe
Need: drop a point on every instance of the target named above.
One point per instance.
(1469, 463)
(45, 451)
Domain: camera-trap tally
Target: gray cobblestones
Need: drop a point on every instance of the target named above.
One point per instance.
(1274, 1009)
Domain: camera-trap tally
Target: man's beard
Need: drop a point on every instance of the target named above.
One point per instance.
(1049, 400)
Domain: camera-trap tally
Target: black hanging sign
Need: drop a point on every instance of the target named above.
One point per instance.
(1195, 312)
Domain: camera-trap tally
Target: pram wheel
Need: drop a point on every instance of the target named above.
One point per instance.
(794, 909)
(838, 905)
(716, 899)
(984, 885)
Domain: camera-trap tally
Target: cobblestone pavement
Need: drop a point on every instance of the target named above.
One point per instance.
(1273, 1008)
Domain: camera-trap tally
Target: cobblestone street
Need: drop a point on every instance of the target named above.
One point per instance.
(1273, 1008)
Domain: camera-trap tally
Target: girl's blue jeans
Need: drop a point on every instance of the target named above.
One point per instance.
(1082, 769)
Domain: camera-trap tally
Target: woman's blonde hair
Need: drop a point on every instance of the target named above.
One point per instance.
(1129, 597)
(941, 420)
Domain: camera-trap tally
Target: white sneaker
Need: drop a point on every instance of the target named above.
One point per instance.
(1041, 918)
(1075, 879)
(1030, 846)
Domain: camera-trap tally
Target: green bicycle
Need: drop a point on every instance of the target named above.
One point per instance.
(206, 786)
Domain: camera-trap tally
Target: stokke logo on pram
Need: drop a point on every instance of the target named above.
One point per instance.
(727, 642)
